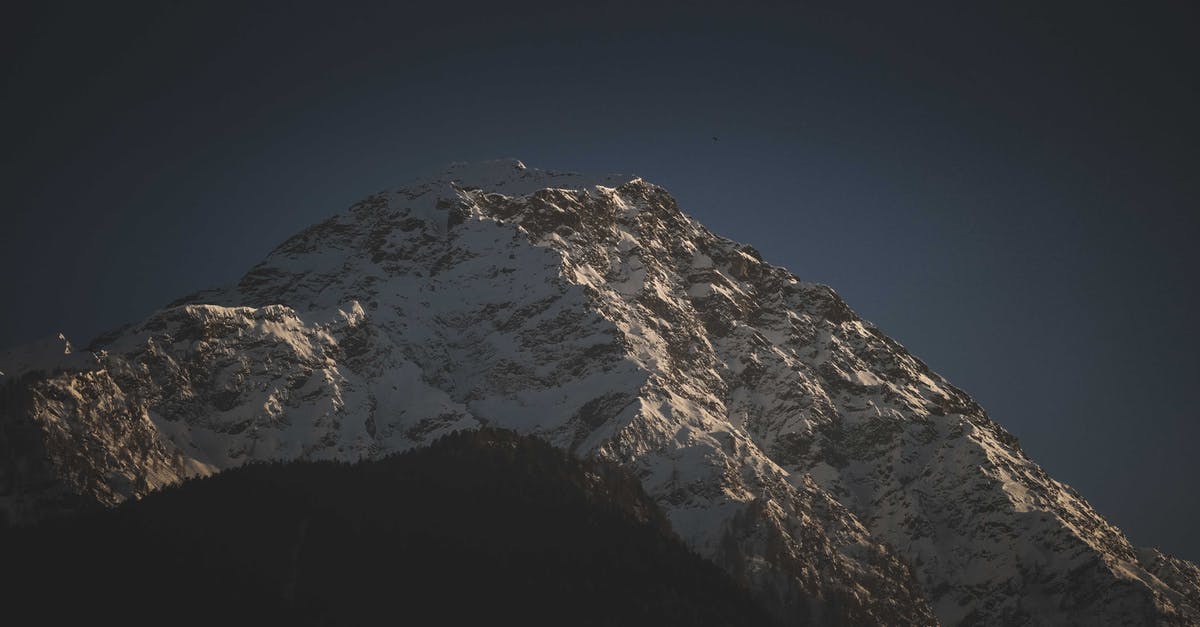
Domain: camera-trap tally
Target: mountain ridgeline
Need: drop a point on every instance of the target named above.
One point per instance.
(478, 525)
(784, 438)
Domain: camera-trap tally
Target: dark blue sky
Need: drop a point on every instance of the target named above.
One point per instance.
(1010, 192)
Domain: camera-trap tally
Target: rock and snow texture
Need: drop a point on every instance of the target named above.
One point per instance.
(785, 437)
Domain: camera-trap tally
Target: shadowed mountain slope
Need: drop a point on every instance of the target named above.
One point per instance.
(480, 527)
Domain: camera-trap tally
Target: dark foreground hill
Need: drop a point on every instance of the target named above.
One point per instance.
(482, 527)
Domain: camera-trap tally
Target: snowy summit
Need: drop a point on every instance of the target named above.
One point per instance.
(786, 438)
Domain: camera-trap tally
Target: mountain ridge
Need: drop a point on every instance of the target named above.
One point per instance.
(727, 385)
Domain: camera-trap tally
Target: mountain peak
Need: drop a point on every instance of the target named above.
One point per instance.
(785, 438)
(507, 176)
(488, 170)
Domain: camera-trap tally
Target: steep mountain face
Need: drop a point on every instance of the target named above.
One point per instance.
(784, 437)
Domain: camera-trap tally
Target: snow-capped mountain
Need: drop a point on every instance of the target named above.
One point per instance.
(785, 438)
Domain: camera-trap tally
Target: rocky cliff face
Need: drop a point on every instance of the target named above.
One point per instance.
(786, 438)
